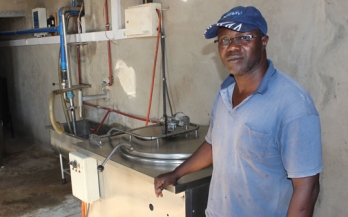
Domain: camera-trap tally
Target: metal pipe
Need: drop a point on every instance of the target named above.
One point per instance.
(66, 49)
(63, 38)
(101, 167)
(107, 28)
(97, 96)
(62, 96)
(62, 168)
(82, 98)
(75, 87)
(164, 90)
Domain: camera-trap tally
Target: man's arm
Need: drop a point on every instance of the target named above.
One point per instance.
(200, 159)
(305, 194)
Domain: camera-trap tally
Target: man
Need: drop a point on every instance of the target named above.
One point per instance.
(264, 137)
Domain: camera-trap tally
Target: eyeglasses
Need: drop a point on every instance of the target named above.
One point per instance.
(239, 40)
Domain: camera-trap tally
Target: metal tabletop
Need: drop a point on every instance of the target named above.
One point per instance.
(151, 158)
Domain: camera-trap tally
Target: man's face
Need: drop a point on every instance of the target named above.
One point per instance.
(243, 54)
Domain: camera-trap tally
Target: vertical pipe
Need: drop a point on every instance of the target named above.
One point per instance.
(63, 59)
(62, 168)
(78, 51)
(66, 50)
(164, 89)
(164, 84)
(107, 27)
(60, 77)
(70, 94)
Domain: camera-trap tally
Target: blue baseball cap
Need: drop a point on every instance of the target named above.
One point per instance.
(240, 19)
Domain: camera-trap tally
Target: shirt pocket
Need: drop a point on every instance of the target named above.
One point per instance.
(252, 143)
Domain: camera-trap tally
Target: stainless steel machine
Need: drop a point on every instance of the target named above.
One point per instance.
(126, 162)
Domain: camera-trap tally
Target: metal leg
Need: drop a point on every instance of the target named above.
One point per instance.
(62, 169)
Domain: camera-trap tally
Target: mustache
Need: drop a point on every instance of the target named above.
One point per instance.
(232, 53)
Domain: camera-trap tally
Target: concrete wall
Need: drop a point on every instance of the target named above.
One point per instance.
(308, 41)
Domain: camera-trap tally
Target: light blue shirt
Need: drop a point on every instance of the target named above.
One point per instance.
(270, 137)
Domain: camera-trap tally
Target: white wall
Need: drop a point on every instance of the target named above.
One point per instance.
(308, 41)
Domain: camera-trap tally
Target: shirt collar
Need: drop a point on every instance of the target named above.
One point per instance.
(264, 83)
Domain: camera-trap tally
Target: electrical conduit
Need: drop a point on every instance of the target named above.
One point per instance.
(154, 66)
(107, 27)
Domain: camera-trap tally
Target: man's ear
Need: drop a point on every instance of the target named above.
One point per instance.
(265, 41)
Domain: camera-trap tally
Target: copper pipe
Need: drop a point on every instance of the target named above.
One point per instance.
(118, 112)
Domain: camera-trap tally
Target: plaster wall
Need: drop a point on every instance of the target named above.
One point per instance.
(308, 41)
(13, 5)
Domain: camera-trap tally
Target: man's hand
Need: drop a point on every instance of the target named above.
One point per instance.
(163, 180)
(200, 159)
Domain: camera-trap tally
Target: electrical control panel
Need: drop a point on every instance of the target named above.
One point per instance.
(84, 177)
(142, 20)
(39, 20)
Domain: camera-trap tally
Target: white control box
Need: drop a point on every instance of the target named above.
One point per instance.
(39, 20)
(84, 177)
(142, 20)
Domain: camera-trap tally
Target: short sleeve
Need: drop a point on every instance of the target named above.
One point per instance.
(301, 148)
(208, 138)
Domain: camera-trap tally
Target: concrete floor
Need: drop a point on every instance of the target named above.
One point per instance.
(30, 183)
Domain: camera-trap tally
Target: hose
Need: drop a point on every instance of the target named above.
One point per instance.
(58, 127)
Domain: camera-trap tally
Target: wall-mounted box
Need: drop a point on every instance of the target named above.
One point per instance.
(142, 20)
(84, 177)
(39, 20)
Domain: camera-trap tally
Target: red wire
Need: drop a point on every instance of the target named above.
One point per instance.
(154, 66)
